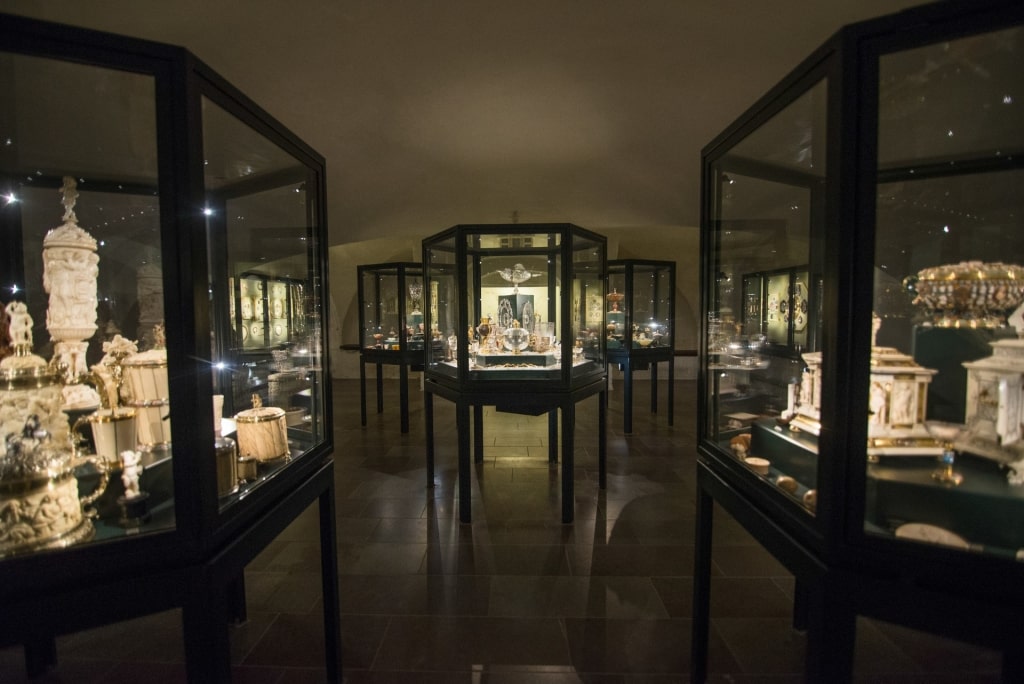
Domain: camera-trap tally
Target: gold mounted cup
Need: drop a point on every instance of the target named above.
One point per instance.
(113, 431)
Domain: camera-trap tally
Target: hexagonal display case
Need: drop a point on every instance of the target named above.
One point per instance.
(162, 392)
(515, 315)
(640, 325)
(860, 394)
(392, 328)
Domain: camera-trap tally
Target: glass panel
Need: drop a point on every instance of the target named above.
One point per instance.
(762, 371)
(952, 101)
(261, 204)
(384, 307)
(616, 309)
(442, 311)
(82, 286)
(652, 307)
(514, 307)
(588, 316)
(373, 319)
(389, 316)
(412, 289)
(516, 285)
(945, 454)
(792, 140)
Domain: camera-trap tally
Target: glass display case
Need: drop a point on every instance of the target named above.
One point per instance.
(515, 303)
(163, 265)
(392, 327)
(640, 325)
(515, 314)
(862, 249)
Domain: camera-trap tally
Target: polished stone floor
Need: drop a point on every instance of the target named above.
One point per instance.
(516, 596)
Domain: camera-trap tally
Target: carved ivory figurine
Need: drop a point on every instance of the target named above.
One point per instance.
(70, 270)
(131, 464)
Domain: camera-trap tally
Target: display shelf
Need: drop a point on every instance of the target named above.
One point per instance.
(519, 310)
(860, 393)
(165, 238)
(640, 326)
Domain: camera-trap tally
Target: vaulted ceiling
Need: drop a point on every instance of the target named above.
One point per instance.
(458, 111)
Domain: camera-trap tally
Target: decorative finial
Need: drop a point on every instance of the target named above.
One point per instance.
(256, 401)
(70, 192)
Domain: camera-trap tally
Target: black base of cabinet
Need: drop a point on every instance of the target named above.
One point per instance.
(210, 594)
(829, 598)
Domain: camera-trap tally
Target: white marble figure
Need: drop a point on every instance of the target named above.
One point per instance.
(131, 465)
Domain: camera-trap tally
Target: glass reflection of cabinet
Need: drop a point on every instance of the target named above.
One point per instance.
(267, 312)
(778, 305)
(515, 303)
(760, 306)
(640, 325)
(889, 435)
(392, 328)
(134, 223)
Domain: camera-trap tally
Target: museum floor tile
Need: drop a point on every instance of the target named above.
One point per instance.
(516, 597)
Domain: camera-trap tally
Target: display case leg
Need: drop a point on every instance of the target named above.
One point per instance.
(478, 433)
(627, 397)
(602, 440)
(1013, 665)
(403, 396)
(465, 489)
(800, 605)
(831, 633)
(237, 610)
(329, 579)
(701, 587)
(207, 642)
(380, 388)
(553, 436)
(362, 392)
(654, 386)
(568, 459)
(671, 387)
(40, 655)
(428, 416)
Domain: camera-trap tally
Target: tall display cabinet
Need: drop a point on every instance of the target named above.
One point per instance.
(520, 308)
(391, 328)
(640, 326)
(162, 395)
(861, 379)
